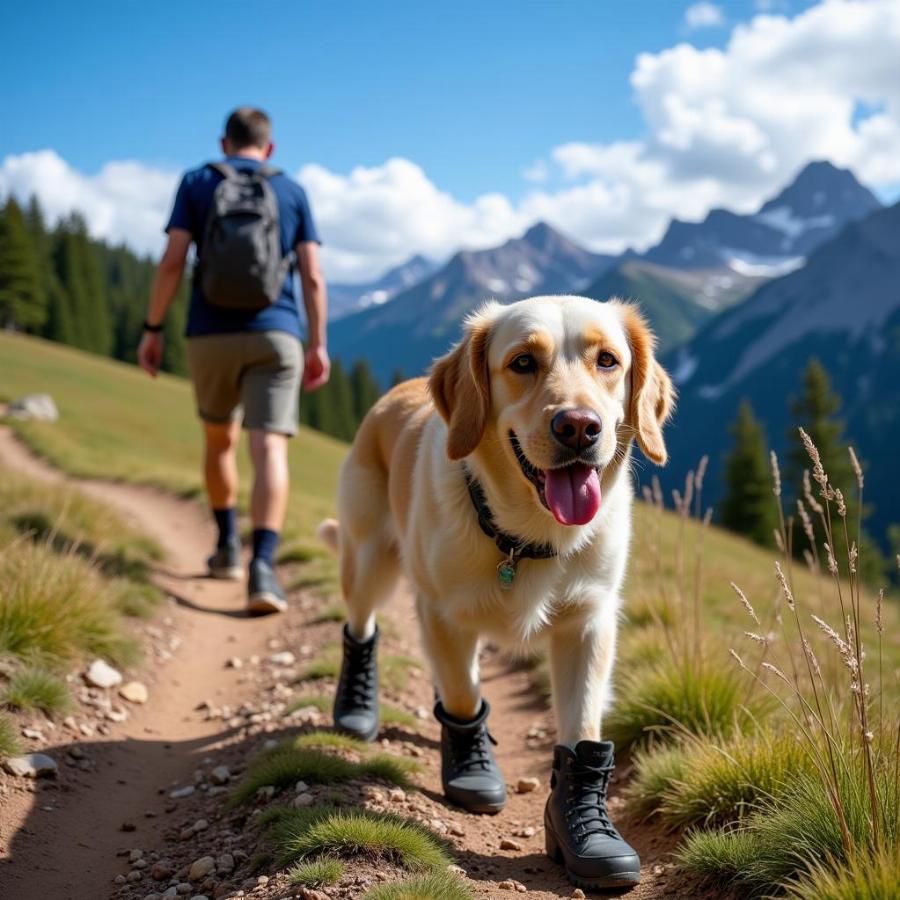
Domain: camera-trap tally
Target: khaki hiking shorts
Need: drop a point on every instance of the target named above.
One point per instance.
(254, 374)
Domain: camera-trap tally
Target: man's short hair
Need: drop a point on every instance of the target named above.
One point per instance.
(247, 127)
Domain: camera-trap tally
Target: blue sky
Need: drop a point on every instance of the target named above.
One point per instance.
(426, 127)
(472, 91)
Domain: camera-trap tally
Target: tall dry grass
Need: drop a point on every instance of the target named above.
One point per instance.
(811, 653)
(673, 682)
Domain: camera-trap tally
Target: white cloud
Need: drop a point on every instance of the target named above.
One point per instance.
(730, 127)
(703, 15)
(723, 127)
(125, 201)
(379, 216)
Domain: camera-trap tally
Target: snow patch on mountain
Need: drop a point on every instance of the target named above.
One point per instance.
(752, 266)
(782, 218)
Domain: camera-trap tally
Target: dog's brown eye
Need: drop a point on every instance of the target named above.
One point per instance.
(606, 360)
(524, 364)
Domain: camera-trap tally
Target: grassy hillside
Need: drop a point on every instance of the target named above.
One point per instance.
(115, 422)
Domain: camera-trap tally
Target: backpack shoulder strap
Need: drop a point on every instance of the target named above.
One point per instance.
(267, 171)
(226, 170)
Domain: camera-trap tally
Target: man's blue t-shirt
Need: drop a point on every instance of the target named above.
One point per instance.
(190, 211)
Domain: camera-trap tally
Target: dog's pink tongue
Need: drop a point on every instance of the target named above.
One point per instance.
(573, 493)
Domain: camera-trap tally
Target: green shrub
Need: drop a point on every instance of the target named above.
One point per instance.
(866, 877)
(657, 770)
(9, 737)
(377, 836)
(288, 763)
(35, 688)
(437, 886)
(668, 698)
(333, 739)
(58, 607)
(704, 781)
(789, 834)
(317, 872)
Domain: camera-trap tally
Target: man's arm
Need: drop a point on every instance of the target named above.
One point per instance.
(165, 286)
(318, 366)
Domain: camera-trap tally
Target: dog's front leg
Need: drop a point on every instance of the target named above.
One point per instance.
(453, 655)
(469, 772)
(582, 650)
(577, 827)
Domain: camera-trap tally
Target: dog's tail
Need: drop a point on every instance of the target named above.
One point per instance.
(329, 534)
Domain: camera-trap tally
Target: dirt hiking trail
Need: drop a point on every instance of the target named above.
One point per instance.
(74, 837)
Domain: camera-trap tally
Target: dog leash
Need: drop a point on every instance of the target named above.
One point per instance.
(511, 547)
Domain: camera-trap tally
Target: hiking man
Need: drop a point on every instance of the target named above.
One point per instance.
(252, 226)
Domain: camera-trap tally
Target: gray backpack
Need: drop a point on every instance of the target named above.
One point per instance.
(241, 266)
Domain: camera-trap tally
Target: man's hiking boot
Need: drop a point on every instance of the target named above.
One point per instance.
(226, 561)
(264, 593)
(577, 829)
(356, 700)
(470, 774)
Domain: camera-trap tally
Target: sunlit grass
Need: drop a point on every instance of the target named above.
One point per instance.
(109, 411)
(59, 607)
(34, 688)
(865, 877)
(702, 781)
(785, 837)
(289, 763)
(317, 872)
(669, 696)
(437, 886)
(377, 836)
(9, 737)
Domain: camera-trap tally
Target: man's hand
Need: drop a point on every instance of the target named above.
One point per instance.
(317, 367)
(150, 352)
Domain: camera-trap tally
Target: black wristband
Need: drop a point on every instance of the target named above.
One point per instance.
(153, 329)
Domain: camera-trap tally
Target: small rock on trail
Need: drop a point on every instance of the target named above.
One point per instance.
(201, 868)
(31, 765)
(102, 675)
(134, 692)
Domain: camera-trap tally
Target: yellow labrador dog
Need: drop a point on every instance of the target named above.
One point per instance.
(500, 487)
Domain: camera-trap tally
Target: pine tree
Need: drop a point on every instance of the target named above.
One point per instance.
(23, 303)
(343, 421)
(364, 388)
(748, 506)
(80, 275)
(60, 324)
(815, 410)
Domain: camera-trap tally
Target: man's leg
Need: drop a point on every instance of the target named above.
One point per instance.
(220, 463)
(221, 476)
(270, 389)
(268, 502)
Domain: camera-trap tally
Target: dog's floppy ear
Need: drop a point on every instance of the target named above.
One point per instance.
(652, 392)
(460, 387)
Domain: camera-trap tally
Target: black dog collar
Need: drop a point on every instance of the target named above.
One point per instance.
(510, 546)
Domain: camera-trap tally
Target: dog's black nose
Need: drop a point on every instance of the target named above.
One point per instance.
(576, 429)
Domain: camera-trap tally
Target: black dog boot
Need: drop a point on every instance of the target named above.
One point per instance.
(356, 700)
(577, 829)
(469, 772)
